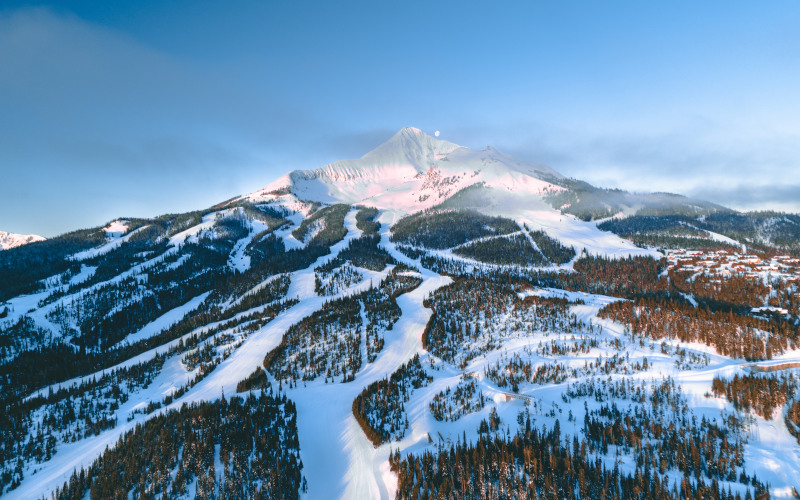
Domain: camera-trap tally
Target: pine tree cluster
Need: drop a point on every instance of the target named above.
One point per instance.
(174, 455)
(380, 408)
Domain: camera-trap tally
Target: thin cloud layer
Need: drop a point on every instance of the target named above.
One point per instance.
(88, 111)
(722, 166)
(102, 119)
(745, 196)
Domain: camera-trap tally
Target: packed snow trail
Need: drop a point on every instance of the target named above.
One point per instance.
(338, 460)
(238, 258)
(164, 321)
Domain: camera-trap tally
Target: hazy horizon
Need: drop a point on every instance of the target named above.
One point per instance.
(139, 110)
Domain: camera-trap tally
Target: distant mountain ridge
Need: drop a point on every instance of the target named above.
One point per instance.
(12, 240)
(413, 171)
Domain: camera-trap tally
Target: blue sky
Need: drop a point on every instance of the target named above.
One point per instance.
(112, 109)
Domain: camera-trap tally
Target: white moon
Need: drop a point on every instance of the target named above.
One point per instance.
(436, 133)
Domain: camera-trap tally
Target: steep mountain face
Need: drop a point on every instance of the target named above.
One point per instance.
(12, 240)
(413, 171)
(410, 172)
(424, 321)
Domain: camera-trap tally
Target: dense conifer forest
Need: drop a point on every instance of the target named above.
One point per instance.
(544, 463)
(442, 229)
(732, 334)
(452, 404)
(511, 250)
(538, 464)
(691, 232)
(379, 408)
(177, 453)
(761, 395)
(474, 316)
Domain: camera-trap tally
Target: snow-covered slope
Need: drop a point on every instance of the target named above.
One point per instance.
(11, 240)
(413, 171)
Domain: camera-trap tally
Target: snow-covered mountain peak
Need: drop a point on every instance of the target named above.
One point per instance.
(409, 172)
(11, 240)
(410, 146)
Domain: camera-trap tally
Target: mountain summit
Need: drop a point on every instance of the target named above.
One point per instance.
(412, 171)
